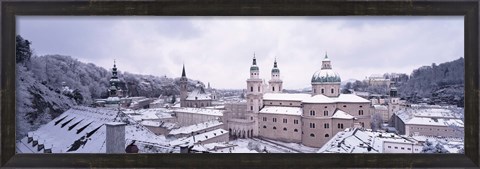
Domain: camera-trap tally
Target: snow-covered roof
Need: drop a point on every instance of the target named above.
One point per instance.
(380, 107)
(319, 99)
(212, 112)
(150, 114)
(222, 148)
(84, 126)
(355, 140)
(350, 98)
(286, 96)
(295, 111)
(429, 117)
(195, 127)
(339, 114)
(189, 141)
(325, 75)
(151, 123)
(198, 95)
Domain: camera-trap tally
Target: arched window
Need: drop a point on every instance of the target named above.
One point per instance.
(323, 91)
(326, 135)
(326, 125)
(295, 130)
(341, 125)
(338, 125)
(325, 113)
(251, 108)
(332, 90)
(264, 127)
(273, 88)
(274, 127)
(251, 88)
(360, 112)
(284, 129)
(312, 135)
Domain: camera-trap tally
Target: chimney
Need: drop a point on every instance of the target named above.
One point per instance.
(115, 141)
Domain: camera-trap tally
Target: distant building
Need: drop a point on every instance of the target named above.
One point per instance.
(427, 120)
(117, 92)
(354, 140)
(378, 80)
(198, 97)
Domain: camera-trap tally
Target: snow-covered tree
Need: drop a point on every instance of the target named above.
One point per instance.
(433, 147)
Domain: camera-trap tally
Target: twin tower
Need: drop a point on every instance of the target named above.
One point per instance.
(255, 87)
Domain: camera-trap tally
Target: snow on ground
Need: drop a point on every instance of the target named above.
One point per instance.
(266, 145)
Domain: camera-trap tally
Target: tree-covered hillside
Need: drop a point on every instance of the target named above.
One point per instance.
(51, 84)
(443, 83)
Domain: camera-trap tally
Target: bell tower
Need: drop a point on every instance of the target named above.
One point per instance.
(254, 95)
(275, 82)
(183, 88)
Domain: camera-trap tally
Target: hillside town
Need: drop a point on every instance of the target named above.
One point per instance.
(261, 118)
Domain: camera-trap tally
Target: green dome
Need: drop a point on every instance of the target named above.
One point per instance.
(275, 70)
(254, 67)
(326, 75)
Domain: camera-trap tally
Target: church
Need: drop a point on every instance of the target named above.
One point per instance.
(307, 118)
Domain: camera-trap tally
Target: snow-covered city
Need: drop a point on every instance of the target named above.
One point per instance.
(65, 105)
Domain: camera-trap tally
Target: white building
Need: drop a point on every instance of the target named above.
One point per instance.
(355, 140)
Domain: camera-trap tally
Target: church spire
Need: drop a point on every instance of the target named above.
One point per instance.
(326, 56)
(183, 71)
(254, 59)
(275, 63)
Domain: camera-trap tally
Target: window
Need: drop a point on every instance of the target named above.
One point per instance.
(273, 88)
(251, 108)
(396, 147)
(340, 125)
(251, 118)
(326, 125)
(325, 113)
(251, 88)
(284, 120)
(312, 135)
(284, 129)
(360, 112)
(290, 104)
(295, 130)
(361, 106)
(270, 102)
(326, 135)
(314, 90)
(264, 118)
(312, 125)
(389, 146)
(295, 121)
(325, 106)
(258, 88)
(274, 127)
(323, 91)
(280, 103)
(274, 119)
(312, 112)
(264, 127)
(409, 149)
(331, 91)
(344, 105)
(402, 148)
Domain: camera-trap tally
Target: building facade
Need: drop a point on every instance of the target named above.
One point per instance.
(307, 118)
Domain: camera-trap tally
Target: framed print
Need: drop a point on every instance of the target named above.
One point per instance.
(215, 84)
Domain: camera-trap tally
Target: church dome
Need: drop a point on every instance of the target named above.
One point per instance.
(326, 75)
(254, 67)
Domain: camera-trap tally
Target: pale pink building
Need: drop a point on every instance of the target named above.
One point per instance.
(310, 119)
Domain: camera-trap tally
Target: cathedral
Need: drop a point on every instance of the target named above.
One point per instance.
(307, 118)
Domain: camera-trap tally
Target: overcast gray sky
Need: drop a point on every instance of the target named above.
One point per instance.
(219, 50)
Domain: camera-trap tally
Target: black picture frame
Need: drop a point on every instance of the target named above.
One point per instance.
(467, 8)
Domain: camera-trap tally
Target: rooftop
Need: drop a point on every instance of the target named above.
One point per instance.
(296, 111)
(212, 112)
